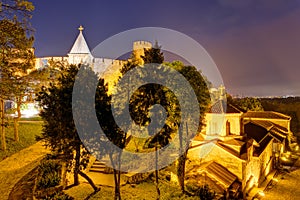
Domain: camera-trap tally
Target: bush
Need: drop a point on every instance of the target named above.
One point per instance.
(48, 175)
(58, 196)
(203, 192)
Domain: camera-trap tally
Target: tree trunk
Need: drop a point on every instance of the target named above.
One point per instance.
(181, 162)
(156, 172)
(117, 195)
(3, 141)
(63, 175)
(117, 185)
(16, 119)
(119, 175)
(16, 129)
(182, 159)
(77, 165)
(19, 102)
(96, 189)
(181, 171)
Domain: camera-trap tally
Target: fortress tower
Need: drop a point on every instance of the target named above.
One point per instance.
(138, 49)
(80, 50)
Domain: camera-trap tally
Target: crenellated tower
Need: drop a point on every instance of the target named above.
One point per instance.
(138, 49)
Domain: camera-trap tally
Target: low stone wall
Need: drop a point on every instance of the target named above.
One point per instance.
(133, 178)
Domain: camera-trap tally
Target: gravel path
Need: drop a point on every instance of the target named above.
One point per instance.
(287, 187)
(13, 168)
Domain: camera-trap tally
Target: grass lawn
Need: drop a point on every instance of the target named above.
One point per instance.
(27, 134)
(142, 191)
(37, 118)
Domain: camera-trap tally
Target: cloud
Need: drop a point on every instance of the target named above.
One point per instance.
(260, 56)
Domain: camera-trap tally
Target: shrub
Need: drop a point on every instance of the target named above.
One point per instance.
(48, 175)
(205, 193)
(58, 196)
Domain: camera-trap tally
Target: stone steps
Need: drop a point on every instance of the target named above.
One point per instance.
(98, 166)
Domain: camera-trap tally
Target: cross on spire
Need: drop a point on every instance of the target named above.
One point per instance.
(80, 28)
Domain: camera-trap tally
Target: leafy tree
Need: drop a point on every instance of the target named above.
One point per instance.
(199, 84)
(289, 106)
(116, 136)
(205, 193)
(156, 94)
(20, 9)
(16, 53)
(248, 104)
(59, 132)
(153, 55)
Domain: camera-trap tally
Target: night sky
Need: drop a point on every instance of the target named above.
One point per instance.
(255, 43)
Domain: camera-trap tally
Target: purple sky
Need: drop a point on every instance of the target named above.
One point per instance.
(255, 43)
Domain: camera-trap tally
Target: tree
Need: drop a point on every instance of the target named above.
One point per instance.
(248, 103)
(16, 53)
(205, 193)
(156, 95)
(153, 55)
(116, 136)
(200, 87)
(59, 131)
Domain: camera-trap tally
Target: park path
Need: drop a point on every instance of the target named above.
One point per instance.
(13, 168)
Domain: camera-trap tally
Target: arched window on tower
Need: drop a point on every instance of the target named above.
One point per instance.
(227, 127)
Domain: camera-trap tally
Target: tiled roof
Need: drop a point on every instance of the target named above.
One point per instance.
(223, 107)
(219, 173)
(274, 130)
(266, 114)
(232, 151)
(263, 123)
(234, 142)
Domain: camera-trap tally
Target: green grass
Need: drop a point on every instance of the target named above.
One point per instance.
(37, 118)
(145, 190)
(27, 134)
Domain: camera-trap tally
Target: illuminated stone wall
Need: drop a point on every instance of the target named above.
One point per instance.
(216, 124)
(212, 152)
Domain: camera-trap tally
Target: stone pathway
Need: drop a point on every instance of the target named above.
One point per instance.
(13, 168)
(287, 187)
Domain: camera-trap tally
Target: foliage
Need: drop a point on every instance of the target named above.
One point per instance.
(289, 106)
(16, 53)
(153, 55)
(59, 132)
(247, 103)
(59, 196)
(48, 174)
(16, 56)
(199, 84)
(21, 10)
(204, 192)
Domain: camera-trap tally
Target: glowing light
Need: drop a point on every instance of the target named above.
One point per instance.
(284, 159)
(261, 193)
(30, 111)
(275, 179)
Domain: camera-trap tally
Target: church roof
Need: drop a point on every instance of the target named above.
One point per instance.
(221, 174)
(266, 114)
(80, 46)
(222, 107)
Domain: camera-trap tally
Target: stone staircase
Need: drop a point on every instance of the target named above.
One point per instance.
(98, 166)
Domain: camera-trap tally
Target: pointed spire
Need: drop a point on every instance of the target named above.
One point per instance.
(80, 28)
(80, 46)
